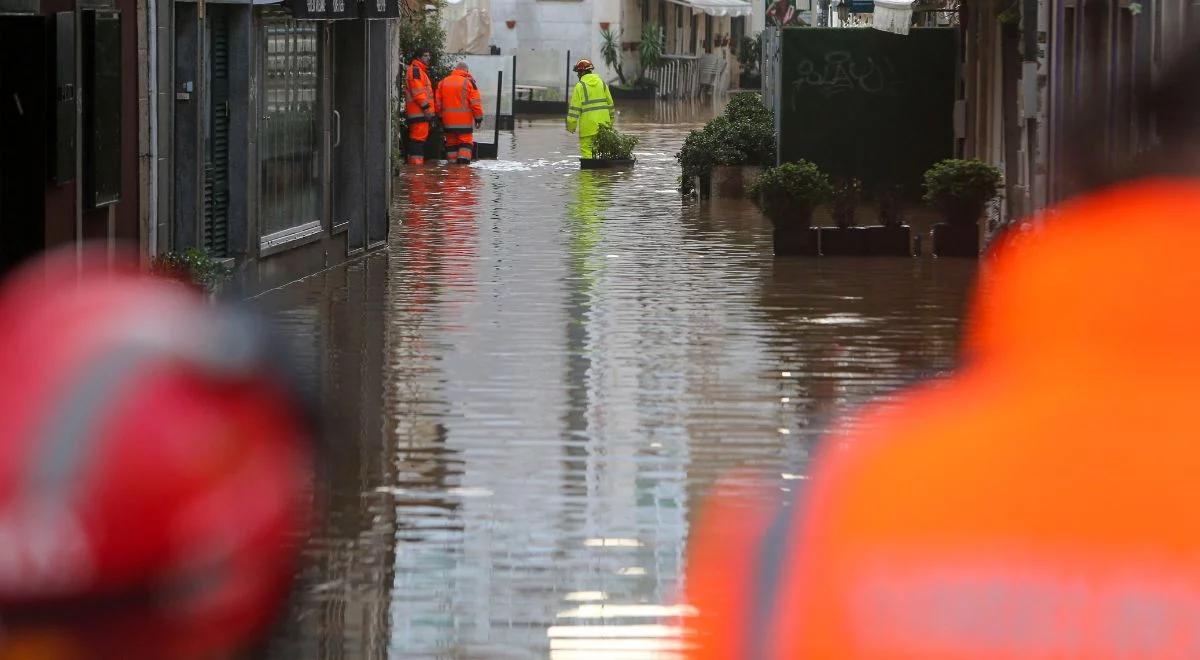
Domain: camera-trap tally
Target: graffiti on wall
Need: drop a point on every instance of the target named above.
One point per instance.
(842, 72)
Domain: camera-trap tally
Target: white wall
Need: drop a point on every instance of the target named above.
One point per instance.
(553, 27)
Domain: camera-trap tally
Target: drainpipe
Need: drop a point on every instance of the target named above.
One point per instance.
(152, 91)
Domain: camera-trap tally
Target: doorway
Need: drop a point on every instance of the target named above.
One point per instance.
(23, 173)
(349, 190)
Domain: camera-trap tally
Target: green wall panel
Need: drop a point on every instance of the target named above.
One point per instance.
(868, 104)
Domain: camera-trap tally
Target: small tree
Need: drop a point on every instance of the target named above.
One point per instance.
(611, 50)
(650, 50)
(750, 53)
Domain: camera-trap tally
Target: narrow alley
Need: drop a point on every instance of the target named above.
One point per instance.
(532, 387)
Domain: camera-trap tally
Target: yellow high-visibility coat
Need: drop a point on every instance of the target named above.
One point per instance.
(591, 106)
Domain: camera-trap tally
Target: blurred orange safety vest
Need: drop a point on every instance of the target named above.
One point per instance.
(1040, 503)
(418, 92)
(459, 102)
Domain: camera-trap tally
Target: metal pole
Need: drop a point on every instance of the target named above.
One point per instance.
(567, 88)
(496, 127)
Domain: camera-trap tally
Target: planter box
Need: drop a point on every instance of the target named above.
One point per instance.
(888, 241)
(525, 107)
(797, 241)
(602, 164)
(843, 242)
(955, 240)
(732, 180)
(749, 81)
(633, 93)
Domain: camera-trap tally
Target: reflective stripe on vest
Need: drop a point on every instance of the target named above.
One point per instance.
(415, 85)
(463, 107)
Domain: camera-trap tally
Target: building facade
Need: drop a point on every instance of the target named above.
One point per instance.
(280, 134)
(1031, 75)
(69, 108)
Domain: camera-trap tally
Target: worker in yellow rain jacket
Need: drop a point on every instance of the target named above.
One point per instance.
(591, 107)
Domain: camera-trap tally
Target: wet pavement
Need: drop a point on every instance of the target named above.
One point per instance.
(534, 385)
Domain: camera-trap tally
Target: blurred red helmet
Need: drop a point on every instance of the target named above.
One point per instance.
(583, 66)
(154, 470)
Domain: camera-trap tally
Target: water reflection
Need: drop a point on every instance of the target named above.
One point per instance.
(538, 380)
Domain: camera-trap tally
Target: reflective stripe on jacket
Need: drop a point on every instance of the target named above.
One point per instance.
(591, 106)
(418, 92)
(459, 102)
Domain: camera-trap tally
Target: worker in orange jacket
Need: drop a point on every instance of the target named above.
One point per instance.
(461, 111)
(419, 105)
(1039, 503)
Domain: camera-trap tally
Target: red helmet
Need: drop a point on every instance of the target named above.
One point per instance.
(583, 66)
(153, 469)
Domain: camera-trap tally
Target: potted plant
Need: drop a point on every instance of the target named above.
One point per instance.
(891, 238)
(787, 195)
(651, 48)
(730, 151)
(750, 56)
(960, 190)
(845, 239)
(610, 48)
(612, 148)
(193, 267)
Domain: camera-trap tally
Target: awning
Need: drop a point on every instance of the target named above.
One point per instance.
(731, 8)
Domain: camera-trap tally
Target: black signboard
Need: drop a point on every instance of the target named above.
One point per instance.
(323, 10)
(381, 8)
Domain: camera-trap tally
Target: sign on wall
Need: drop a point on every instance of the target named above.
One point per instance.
(380, 8)
(323, 9)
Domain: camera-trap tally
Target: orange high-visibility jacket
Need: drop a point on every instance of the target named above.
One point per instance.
(1040, 503)
(459, 102)
(418, 92)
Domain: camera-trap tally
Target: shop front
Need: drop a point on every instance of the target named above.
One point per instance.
(282, 133)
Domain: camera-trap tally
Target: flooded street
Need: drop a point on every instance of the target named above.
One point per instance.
(533, 386)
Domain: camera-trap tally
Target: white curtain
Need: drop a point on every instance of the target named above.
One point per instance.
(893, 16)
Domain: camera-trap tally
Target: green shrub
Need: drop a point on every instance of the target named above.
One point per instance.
(789, 193)
(610, 48)
(652, 47)
(612, 144)
(846, 195)
(960, 189)
(192, 266)
(744, 134)
(750, 53)
(891, 206)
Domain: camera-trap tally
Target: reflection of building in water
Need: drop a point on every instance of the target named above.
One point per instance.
(627, 514)
(341, 603)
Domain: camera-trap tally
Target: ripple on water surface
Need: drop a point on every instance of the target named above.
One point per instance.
(533, 386)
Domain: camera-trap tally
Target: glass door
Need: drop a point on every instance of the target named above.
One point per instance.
(290, 129)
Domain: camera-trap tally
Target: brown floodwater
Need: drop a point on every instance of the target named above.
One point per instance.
(531, 389)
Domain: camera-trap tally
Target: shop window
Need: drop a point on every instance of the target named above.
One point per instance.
(290, 124)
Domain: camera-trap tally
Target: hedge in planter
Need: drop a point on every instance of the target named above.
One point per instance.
(612, 144)
(788, 194)
(960, 190)
(744, 134)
